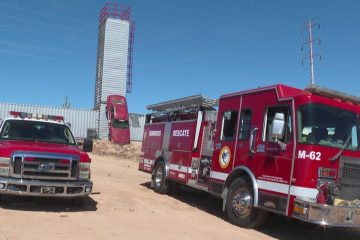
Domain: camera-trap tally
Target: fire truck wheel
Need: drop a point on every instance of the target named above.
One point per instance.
(239, 205)
(159, 182)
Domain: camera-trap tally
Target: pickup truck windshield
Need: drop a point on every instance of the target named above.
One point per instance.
(121, 124)
(324, 125)
(37, 131)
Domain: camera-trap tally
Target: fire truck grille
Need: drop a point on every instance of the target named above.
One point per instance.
(45, 168)
(349, 178)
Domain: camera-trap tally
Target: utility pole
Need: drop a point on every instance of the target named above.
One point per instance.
(67, 103)
(309, 27)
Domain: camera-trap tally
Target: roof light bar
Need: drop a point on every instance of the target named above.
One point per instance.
(23, 115)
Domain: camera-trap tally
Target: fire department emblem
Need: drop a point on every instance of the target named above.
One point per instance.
(224, 157)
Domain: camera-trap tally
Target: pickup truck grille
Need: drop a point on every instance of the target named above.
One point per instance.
(44, 167)
(349, 178)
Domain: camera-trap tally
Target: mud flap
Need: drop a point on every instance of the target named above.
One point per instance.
(224, 197)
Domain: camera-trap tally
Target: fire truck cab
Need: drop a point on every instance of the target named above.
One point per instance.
(279, 149)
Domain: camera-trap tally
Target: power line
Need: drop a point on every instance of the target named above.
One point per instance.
(25, 54)
(46, 24)
(12, 52)
(45, 34)
(176, 66)
(42, 13)
(85, 3)
(71, 5)
(41, 47)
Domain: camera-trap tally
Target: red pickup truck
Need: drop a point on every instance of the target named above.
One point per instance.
(40, 157)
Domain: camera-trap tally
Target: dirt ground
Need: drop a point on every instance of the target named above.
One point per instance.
(124, 207)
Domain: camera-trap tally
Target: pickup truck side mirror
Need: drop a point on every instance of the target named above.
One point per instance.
(277, 129)
(87, 145)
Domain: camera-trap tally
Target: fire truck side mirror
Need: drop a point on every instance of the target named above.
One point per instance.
(277, 128)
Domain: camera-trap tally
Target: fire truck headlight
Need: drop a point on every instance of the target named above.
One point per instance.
(334, 189)
(84, 172)
(4, 167)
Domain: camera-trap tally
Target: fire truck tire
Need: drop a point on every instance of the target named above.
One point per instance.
(161, 185)
(239, 205)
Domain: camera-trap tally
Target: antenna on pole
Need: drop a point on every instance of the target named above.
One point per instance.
(309, 27)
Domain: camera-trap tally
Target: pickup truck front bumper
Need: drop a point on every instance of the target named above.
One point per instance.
(58, 188)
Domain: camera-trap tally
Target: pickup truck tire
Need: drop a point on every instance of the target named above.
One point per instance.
(159, 182)
(239, 205)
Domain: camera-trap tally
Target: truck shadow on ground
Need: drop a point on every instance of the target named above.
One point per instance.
(276, 226)
(25, 203)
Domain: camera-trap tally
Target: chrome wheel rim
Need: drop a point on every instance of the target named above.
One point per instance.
(158, 176)
(242, 203)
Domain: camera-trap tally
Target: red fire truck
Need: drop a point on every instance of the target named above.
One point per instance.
(273, 149)
(118, 119)
(40, 157)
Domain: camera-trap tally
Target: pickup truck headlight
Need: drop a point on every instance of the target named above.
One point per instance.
(4, 167)
(84, 172)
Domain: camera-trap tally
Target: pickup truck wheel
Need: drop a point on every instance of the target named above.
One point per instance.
(159, 182)
(239, 205)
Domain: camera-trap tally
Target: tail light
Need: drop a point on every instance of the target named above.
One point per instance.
(84, 171)
(4, 167)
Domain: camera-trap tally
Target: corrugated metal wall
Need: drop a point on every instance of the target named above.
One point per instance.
(115, 58)
(79, 119)
(137, 123)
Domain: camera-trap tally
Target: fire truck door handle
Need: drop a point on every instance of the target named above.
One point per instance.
(253, 140)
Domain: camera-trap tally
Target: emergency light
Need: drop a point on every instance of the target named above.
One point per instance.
(23, 115)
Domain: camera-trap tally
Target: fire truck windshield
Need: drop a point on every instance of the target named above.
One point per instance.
(37, 131)
(328, 126)
(120, 124)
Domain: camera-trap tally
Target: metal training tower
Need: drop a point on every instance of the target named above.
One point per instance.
(114, 58)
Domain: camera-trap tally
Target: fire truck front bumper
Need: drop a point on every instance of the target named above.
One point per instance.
(326, 215)
(67, 189)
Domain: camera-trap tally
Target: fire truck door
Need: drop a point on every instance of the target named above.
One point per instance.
(273, 155)
(224, 144)
(269, 159)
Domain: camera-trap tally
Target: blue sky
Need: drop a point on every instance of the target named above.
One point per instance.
(182, 48)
